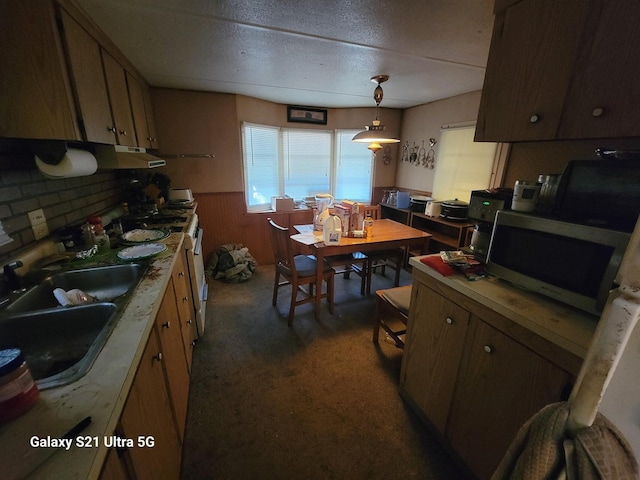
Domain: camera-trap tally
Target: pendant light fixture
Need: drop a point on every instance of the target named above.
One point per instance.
(375, 134)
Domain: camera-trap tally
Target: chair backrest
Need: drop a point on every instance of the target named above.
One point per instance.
(374, 211)
(281, 247)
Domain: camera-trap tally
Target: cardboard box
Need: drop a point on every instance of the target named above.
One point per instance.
(343, 213)
(282, 204)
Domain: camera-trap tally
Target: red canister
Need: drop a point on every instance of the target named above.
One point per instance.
(18, 390)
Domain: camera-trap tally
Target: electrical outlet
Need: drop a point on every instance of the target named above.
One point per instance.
(40, 231)
(37, 217)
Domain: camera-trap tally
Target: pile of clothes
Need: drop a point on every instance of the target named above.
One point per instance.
(232, 263)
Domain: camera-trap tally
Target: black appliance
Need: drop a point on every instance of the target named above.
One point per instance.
(483, 206)
(603, 193)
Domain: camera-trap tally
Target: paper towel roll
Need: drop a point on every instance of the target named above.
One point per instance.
(75, 163)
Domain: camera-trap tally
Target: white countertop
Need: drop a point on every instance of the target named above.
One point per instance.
(563, 325)
(100, 394)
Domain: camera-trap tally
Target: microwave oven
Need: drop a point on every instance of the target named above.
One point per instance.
(573, 263)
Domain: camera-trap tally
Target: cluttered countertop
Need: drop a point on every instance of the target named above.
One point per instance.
(564, 326)
(100, 394)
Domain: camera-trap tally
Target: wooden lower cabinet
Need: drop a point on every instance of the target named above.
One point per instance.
(148, 414)
(469, 381)
(432, 353)
(155, 412)
(184, 303)
(500, 385)
(173, 357)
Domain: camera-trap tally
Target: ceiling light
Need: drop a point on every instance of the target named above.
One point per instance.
(374, 134)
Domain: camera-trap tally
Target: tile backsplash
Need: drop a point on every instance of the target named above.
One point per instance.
(66, 201)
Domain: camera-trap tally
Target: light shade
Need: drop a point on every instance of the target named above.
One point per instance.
(374, 133)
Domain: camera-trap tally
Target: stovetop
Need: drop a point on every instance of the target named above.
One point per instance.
(177, 223)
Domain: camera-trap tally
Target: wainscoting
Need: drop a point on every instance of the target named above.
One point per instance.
(224, 219)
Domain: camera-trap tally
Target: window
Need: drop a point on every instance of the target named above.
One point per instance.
(462, 164)
(302, 162)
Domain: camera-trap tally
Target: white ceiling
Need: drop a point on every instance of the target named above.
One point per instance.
(305, 52)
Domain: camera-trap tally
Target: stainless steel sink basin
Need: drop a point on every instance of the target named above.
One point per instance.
(60, 343)
(105, 284)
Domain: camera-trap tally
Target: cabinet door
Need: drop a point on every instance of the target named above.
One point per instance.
(184, 301)
(119, 100)
(137, 110)
(36, 100)
(147, 413)
(531, 60)
(173, 357)
(151, 119)
(604, 97)
(90, 87)
(114, 467)
(501, 384)
(436, 333)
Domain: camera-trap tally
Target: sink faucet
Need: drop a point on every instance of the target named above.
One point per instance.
(11, 279)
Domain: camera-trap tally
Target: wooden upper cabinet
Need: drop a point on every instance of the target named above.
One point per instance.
(151, 119)
(36, 100)
(142, 111)
(604, 95)
(85, 64)
(119, 100)
(138, 111)
(531, 60)
(560, 71)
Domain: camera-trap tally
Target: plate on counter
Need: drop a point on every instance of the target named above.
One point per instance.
(143, 235)
(140, 252)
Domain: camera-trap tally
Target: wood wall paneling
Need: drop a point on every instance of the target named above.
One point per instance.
(224, 219)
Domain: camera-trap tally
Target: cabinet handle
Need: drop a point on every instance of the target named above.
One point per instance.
(123, 132)
(158, 356)
(111, 129)
(488, 348)
(181, 274)
(535, 118)
(185, 299)
(189, 321)
(449, 320)
(597, 112)
(166, 325)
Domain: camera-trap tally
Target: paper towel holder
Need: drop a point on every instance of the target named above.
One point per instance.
(50, 152)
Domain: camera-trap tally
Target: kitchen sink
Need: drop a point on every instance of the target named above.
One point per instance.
(104, 284)
(60, 343)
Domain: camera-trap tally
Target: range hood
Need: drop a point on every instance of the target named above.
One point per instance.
(121, 156)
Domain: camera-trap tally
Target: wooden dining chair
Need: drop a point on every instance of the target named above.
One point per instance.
(297, 270)
(392, 304)
(378, 258)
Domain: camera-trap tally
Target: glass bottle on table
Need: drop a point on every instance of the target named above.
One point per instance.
(367, 226)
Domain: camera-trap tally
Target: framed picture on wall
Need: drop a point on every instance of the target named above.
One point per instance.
(306, 115)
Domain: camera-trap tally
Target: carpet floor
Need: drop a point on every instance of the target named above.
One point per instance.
(316, 401)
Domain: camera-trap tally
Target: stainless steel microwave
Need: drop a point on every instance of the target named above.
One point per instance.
(575, 264)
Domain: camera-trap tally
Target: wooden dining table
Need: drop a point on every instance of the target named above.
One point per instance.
(387, 234)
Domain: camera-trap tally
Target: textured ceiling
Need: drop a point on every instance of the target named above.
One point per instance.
(304, 52)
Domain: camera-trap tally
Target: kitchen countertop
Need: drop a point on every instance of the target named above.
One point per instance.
(100, 394)
(565, 326)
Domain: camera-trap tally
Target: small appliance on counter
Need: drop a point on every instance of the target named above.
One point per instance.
(525, 195)
(433, 208)
(418, 203)
(483, 207)
(454, 210)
